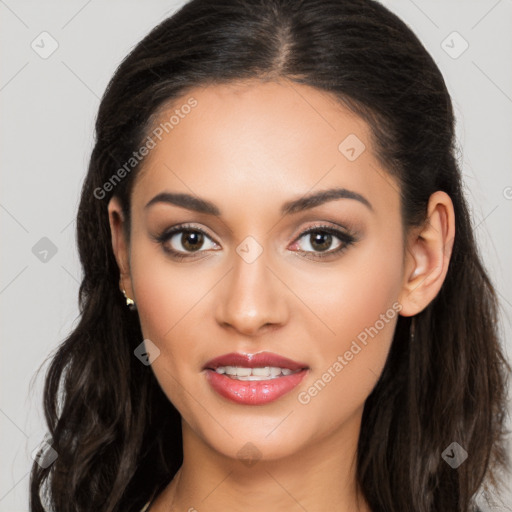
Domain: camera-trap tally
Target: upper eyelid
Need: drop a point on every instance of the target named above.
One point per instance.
(186, 227)
(305, 231)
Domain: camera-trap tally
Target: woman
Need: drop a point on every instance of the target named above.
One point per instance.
(333, 343)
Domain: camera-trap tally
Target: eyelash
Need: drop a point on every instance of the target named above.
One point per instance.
(345, 238)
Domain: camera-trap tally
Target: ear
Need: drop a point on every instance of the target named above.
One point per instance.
(428, 253)
(119, 244)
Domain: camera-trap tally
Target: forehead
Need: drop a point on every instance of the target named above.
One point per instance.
(249, 143)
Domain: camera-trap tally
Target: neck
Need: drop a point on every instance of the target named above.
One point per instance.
(319, 477)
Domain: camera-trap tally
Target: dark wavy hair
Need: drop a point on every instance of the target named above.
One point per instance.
(117, 436)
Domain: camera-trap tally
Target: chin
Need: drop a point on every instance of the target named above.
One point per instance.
(256, 436)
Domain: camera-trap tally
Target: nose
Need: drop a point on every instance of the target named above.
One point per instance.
(252, 299)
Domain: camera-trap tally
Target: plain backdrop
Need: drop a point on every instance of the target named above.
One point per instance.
(48, 107)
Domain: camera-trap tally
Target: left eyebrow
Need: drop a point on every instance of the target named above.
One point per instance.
(297, 205)
(186, 201)
(324, 196)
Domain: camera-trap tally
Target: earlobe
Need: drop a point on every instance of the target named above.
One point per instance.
(429, 249)
(119, 244)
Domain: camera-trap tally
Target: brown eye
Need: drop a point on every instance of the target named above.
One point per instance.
(182, 241)
(319, 241)
(191, 240)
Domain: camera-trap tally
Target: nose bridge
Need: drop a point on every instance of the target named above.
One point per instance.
(252, 296)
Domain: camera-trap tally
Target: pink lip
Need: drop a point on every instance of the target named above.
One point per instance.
(254, 392)
(252, 360)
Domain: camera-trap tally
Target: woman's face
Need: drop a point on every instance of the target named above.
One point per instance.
(251, 280)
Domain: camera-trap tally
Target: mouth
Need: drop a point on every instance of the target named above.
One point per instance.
(258, 373)
(254, 379)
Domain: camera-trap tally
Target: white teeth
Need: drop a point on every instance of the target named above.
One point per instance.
(263, 372)
(260, 373)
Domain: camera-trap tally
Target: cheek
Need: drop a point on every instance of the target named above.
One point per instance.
(359, 306)
(168, 296)
(166, 291)
(165, 304)
(352, 294)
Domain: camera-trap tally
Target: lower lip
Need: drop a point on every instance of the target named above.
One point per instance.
(253, 392)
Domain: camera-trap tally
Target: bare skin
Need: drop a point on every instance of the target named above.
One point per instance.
(248, 148)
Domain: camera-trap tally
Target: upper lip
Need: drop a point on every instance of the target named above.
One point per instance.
(261, 359)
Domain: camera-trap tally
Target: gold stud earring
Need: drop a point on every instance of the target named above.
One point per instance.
(129, 302)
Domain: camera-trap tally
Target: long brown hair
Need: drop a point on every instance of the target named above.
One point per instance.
(117, 436)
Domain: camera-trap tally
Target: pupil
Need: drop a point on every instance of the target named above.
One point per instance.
(197, 240)
(318, 238)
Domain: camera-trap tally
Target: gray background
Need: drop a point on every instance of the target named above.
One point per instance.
(48, 109)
